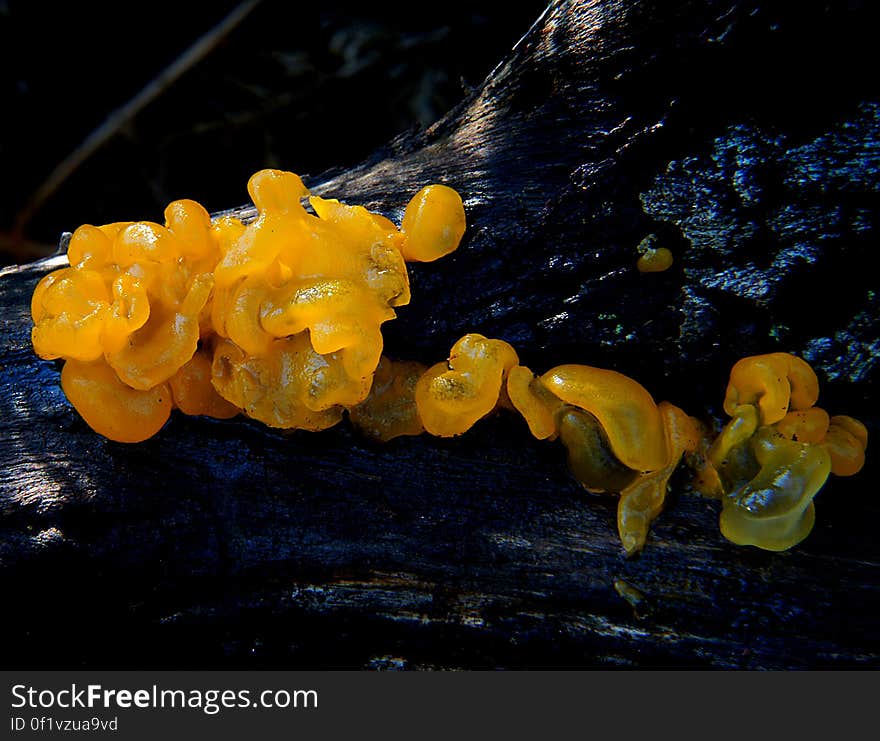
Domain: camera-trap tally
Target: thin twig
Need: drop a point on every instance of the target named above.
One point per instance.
(121, 116)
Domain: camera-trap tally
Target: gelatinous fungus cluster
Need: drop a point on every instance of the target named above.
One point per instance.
(776, 452)
(280, 319)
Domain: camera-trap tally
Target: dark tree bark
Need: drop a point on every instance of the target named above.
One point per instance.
(744, 136)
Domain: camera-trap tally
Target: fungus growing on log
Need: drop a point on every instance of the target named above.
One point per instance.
(595, 131)
(775, 454)
(280, 315)
(280, 318)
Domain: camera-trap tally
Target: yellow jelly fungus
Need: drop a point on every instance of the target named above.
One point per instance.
(590, 457)
(853, 427)
(111, 408)
(433, 224)
(654, 260)
(775, 383)
(390, 409)
(280, 226)
(534, 402)
(69, 309)
(774, 510)
(845, 442)
(333, 276)
(601, 417)
(156, 351)
(452, 396)
(776, 452)
(129, 311)
(194, 393)
(191, 224)
(643, 499)
(280, 317)
(625, 410)
(90, 248)
(281, 388)
(807, 426)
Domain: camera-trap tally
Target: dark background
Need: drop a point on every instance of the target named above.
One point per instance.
(298, 86)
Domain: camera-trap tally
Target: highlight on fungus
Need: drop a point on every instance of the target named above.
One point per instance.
(280, 319)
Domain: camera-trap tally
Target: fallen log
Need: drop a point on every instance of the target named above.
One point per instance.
(743, 138)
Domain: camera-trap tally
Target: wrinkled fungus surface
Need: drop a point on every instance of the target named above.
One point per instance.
(280, 319)
(776, 452)
(452, 396)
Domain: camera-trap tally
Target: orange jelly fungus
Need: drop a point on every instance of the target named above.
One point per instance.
(654, 261)
(618, 440)
(623, 407)
(433, 224)
(452, 396)
(279, 318)
(112, 408)
(773, 457)
(775, 383)
(845, 442)
(643, 499)
(538, 406)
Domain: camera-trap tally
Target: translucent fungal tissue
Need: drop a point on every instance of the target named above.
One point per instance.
(776, 452)
(618, 440)
(452, 396)
(389, 410)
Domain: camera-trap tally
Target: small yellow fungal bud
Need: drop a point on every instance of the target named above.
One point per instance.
(433, 224)
(452, 396)
(654, 261)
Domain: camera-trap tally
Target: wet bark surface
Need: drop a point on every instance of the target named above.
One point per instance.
(744, 137)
